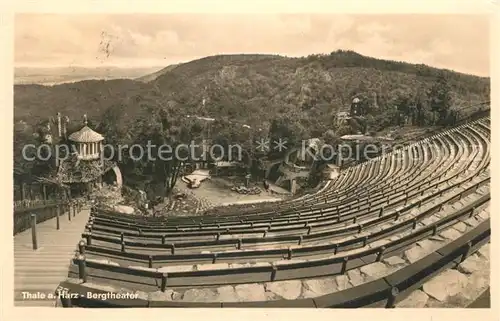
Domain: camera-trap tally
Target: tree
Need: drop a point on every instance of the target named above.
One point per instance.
(423, 113)
(168, 165)
(440, 98)
(452, 118)
(158, 171)
(23, 167)
(330, 137)
(286, 129)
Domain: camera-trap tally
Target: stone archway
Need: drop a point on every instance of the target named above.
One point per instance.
(118, 174)
(114, 175)
(272, 171)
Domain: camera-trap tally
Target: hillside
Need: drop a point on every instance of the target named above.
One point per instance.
(255, 89)
(316, 84)
(33, 103)
(153, 76)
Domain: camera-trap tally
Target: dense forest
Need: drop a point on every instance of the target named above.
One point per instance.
(294, 98)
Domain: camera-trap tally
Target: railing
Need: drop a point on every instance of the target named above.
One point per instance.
(25, 217)
(31, 204)
(34, 192)
(385, 292)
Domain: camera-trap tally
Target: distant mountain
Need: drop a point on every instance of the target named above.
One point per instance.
(254, 89)
(59, 75)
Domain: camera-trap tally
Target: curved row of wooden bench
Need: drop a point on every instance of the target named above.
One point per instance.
(346, 173)
(261, 212)
(340, 183)
(308, 215)
(152, 279)
(327, 233)
(157, 243)
(164, 236)
(383, 292)
(281, 216)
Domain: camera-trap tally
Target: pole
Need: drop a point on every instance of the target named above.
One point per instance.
(58, 212)
(33, 232)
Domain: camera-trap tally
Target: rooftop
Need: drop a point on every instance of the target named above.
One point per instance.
(356, 137)
(86, 135)
(226, 164)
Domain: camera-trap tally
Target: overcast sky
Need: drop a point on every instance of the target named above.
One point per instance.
(458, 42)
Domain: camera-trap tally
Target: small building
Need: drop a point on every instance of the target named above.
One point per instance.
(85, 169)
(357, 109)
(227, 168)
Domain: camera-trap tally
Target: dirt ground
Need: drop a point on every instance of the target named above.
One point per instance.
(212, 192)
(217, 191)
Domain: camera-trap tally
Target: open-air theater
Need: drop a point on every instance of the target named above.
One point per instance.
(359, 227)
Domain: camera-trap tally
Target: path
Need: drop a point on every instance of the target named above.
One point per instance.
(43, 269)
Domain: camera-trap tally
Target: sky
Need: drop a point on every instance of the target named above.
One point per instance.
(457, 42)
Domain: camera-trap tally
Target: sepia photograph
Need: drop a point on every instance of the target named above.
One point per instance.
(251, 160)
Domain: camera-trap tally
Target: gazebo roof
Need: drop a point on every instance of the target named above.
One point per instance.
(86, 135)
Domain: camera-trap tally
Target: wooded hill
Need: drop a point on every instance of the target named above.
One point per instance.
(292, 98)
(254, 89)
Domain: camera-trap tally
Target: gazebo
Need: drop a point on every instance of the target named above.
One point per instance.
(86, 169)
(87, 142)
